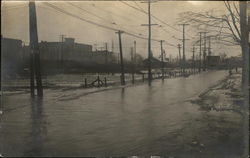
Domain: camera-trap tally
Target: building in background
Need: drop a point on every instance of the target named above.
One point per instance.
(70, 51)
(155, 63)
(11, 55)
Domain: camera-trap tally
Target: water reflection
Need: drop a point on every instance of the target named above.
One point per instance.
(141, 119)
(123, 103)
(38, 128)
(122, 94)
(149, 92)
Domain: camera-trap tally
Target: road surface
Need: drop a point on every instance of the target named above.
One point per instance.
(135, 120)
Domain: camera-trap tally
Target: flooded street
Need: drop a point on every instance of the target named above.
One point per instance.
(139, 120)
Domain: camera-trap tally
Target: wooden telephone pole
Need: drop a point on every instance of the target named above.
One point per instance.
(193, 62)
(149, 41)
(106, 53)
(179, 47)
(200, 53)
(162, 62)
(135, 65)
(132, 54)
(204, 51)
(62, 37)
(35, 54)
(183, 45)
(209, 46)
(121, 58)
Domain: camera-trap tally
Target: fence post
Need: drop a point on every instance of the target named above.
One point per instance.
(133, 78)
(85, 82)
(105, 81)
(98, 81)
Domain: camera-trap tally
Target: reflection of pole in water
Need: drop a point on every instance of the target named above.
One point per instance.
(38, 129)
(123, 94)
(123, 104)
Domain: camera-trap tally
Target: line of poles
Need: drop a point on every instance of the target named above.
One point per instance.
(35, 70)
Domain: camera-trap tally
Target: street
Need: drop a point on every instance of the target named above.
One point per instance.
(140, 119)
(125, 78)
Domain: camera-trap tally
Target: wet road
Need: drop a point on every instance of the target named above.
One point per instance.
(136, 120)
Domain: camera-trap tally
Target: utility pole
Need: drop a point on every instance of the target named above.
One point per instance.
(118, 58)
(200, 53)
(209, 45)
(196, 60)
(121, 58)
(162, 61)
(132, 57)
(132, 61)
(179, 47)
(34, 47)
(149, 41)
(131, 54)
(193, 65)
(62, 54)
(112, 46)
(204, 52)
(106, 53)
(135, 55)
(183, 45)
(132, 64)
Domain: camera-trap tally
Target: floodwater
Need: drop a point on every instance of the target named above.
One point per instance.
(156, 119)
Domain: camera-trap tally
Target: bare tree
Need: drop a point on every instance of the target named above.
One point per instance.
(230, 29)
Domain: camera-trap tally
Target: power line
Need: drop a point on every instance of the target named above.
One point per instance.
(131, 31)
(87, 12)
(138, 6)
(99, 25)
(121, 17)
(77, 17)
(152, 15)
(141, 10)
(11, 8)
(114, 23)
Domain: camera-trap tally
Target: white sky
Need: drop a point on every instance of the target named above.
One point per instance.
(51, 23)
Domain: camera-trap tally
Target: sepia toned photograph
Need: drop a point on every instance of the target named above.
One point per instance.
(132, 78)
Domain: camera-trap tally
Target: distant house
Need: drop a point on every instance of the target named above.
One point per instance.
(103, 56)
(213, 61)
(155, 63)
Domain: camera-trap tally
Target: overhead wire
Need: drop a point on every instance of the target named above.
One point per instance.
(113, 23)
(143, 11)
(97, 24)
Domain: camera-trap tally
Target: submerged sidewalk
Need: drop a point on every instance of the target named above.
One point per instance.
(232, 130)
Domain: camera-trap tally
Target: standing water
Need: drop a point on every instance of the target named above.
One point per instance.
(139, 120)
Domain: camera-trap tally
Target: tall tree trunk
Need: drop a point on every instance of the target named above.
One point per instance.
(244, 27)
(244, 44)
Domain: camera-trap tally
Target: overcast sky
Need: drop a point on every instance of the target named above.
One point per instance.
(114, 14)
